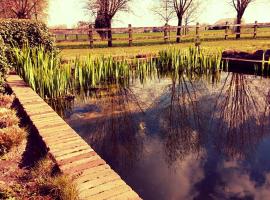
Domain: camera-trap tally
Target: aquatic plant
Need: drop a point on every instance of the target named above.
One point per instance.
(52, 78)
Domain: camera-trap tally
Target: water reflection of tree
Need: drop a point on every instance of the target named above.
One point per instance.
(115, 134)
(241, 115)
(61, 106)
(181, 121)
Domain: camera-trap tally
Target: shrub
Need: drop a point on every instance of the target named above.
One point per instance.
(6, 101)
(6, 192)
(58, 186)
(17, 32)
(10, 137)
(4, 66)
(8, 118)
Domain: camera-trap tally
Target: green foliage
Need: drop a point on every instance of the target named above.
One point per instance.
(189, 60)
(51, 78)
(3, 62)
(17, 32)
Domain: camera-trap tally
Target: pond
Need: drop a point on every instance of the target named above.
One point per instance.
(190, 137)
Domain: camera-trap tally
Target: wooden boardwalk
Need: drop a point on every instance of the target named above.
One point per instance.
(94, 178)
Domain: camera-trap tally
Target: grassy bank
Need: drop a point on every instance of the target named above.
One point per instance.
(27, 172)
(244, 45)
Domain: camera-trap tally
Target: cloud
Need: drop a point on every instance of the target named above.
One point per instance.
(238, 183)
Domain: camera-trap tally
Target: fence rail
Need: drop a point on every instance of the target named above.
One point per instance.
(166, 33)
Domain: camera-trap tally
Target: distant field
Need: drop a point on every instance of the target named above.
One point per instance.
(243, 44)
(146, 39)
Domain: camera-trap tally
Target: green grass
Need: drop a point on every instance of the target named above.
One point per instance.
(144, 39)
(244, 45)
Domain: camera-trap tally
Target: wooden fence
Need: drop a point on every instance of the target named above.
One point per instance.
(166, 34)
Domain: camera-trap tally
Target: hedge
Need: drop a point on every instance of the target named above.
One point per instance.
(17, 32)
(3, 62)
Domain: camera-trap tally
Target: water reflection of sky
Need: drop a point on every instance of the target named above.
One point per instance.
(183, 139)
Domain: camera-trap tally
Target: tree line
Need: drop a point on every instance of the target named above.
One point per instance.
(104, 11)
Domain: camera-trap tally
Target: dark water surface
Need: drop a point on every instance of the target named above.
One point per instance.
(183, 139)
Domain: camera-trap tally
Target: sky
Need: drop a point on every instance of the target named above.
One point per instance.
(69, 12)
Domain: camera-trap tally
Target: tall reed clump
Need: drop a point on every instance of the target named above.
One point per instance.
(52, 79)
(189, 60)
(91, 73)
(43, 71)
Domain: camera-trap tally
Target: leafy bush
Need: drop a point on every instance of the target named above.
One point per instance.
(10, 137)
(3, 62)
(17, 32)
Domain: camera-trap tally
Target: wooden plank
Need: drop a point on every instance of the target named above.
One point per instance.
(79, 162)
(75, 158)
(101, 188)
(94, 170)
(73, 154)
(84, 166)
(95, 179)
(66, 151)
(98, 181)
(62, 138)
(111, 193)
(90, 177)
(129, 195)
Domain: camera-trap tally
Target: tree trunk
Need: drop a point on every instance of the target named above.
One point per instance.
(109, 33)
(238, 28)
(178, 39)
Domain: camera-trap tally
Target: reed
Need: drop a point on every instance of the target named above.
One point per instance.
(52, 78)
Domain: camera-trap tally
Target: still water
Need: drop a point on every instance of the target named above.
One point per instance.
(184, 138)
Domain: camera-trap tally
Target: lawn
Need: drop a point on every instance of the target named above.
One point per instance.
(243, 44)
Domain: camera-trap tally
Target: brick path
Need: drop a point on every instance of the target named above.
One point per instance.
(95, 179)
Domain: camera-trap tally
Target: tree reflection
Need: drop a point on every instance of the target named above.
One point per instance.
(181, 120)
(241, 111)
(115, 132)
(61, 106)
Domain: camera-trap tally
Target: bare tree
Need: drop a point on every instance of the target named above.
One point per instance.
(23, 9)
(181, 7)
(240, 7)
(164, 11)
(105, 10)
(191, 15)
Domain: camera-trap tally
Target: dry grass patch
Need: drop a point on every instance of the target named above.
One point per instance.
(8, 118)
(6, 101)
(51, 183)
(10, 137)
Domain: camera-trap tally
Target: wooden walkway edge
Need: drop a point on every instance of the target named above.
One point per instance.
(94, 178)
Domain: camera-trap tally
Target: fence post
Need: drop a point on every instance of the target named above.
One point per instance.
(77, 37)
(54, 37)
(90, 35)
(110, 36)
(255, 30)
(129, 35)
(165, 33)
(197, 38)
(226, 30)
(66, 37)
